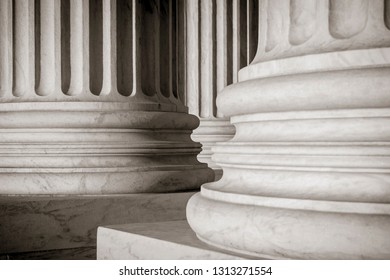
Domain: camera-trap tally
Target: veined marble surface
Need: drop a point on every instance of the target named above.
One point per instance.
(306, 175)
(158, 240)
(37, 223)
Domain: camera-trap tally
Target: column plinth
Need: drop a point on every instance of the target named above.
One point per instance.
(306, 175)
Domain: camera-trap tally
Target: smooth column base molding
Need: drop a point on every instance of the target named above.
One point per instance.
(93, 148)
(288, 228)
(306, 176)
(160, 240)
(210, 132)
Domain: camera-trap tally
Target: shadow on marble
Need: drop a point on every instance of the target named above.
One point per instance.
(33, 224)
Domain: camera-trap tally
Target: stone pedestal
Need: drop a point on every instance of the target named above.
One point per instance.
(306, 175)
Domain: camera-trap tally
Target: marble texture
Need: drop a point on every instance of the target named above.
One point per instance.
(96, 108)
(157, 241)
(42, 223)
(299, 28)
(266, 227)
(93, 126)
(306, 175)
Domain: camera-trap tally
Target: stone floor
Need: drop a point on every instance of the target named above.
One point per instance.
(44, 227)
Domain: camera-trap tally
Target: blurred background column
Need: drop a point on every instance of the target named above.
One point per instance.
(221, 38)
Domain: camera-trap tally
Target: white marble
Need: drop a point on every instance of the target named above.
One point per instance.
(292, 228)
(96, 106)
(306, 175)
(156, 241)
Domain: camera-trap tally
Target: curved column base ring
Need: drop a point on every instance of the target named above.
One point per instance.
(279, 232)
(97, 148)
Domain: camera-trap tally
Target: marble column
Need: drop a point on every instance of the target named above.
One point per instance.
(220, 39)
(306, 175)
(89, 99)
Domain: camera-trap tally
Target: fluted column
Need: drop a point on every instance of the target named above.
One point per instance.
(90, 102)
(221, 39)
(307, 172)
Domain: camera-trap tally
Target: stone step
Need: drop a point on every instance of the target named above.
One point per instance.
(158, 240)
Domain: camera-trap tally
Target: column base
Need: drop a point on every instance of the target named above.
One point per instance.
(95, 148)
(210, 132)
(280, 228)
